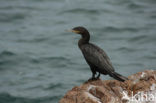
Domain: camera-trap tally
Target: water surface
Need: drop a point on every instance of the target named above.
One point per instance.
(39, 61)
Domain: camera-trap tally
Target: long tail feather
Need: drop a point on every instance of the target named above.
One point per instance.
(118, 76)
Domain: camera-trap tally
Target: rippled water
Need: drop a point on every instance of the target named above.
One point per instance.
(39, 61)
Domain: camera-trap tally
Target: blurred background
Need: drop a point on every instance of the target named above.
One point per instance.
(40, 62)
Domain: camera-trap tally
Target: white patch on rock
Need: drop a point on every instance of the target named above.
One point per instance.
(125, 95)
(143, 74)
(93, 97)
(153, 87)
(135, 81)
(112, 100)
(91, 87)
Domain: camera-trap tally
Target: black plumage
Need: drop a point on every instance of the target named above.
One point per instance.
(96, 58)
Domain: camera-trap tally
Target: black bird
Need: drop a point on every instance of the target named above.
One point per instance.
(96, 58)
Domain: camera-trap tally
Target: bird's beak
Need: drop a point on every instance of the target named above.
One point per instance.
(74, 31)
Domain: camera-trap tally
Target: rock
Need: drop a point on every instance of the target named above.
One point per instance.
(140, 88)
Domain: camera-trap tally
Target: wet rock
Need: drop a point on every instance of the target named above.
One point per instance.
(140, 88)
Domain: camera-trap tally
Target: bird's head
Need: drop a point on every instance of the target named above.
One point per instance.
(83, 32)
(80, 30)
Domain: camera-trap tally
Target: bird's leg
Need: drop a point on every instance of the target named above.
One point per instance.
(93, 75)
(98, 76)
(92, 78)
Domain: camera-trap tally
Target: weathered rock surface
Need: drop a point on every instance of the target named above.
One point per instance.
(140, 88)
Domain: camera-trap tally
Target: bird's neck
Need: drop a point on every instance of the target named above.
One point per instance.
(85, 39)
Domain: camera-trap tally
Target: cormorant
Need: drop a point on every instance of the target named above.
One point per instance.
(96, 58)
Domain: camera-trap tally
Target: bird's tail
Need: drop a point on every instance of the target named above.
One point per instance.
(118, 76)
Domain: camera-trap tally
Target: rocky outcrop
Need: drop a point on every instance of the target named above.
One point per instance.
(140, 88)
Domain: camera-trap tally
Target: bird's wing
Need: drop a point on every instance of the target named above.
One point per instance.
(96, 56)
